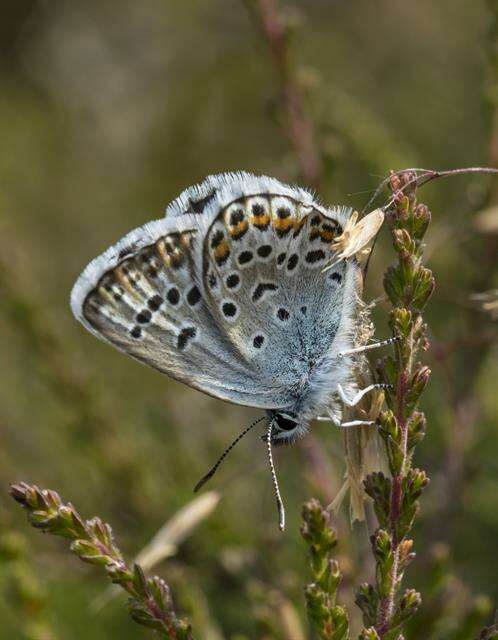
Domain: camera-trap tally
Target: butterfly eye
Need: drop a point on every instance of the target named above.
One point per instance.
(286, 421)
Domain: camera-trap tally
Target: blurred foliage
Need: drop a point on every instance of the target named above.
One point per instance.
(106, 114)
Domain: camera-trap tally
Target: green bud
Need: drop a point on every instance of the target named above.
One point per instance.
(421, 220)
(140, 582)
(389, 424)
(369, 634)
(423, 286)
(417, 384)
(183, 629)
(103, 533)
(143, 616)
(160, 592)
(368, 601)
(90, 552)
(416, 429)
(316, 603)
(409, 603)
(387, 372)
(378, 487)
(395, 456)
(401, 322)
(316, 528)
(340, 623)
(414, 483)
(402, 241)
(394, 284)
(384, 556)
(408, 267)
(405, 554)
(119, 573)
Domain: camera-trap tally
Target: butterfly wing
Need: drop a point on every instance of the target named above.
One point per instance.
(142, 296)
(263, 261)
(227, 293)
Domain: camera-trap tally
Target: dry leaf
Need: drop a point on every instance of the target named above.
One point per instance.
(356, 235)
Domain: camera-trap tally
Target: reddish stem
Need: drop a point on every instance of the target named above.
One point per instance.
(300, 129)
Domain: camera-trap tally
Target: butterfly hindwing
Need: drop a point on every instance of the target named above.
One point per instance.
(263, 274)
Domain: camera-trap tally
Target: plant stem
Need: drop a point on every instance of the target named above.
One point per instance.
(298, 125)
(409, 285)
(92, 541)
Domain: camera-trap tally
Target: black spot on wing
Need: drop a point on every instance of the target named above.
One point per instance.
(144, 316)
(232, 280)
(193, 296)
(283, 314)
(229, 309)
(315, 256)
(261, 289)
(136, 332)
(292, 262)
(198, 206)
(173, 296)
(155, 302)
(245, 257)
(217, 238)
(264, 250)
(236, 217)
(283, 212)
(185, 336)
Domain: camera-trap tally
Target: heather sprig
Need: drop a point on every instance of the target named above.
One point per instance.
(329, 619)
(489, 633)
(409, 285)
(149, 603)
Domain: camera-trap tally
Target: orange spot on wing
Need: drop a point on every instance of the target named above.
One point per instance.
(283, 224)
(261, 221)
(239, 229)
(327, 236)
(221, 252)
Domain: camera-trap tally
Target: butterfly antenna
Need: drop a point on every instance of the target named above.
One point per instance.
(214, 468)
(280, 504)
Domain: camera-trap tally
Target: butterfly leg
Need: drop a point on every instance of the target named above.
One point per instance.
(352, 402)
(367, 347)
(338, 423)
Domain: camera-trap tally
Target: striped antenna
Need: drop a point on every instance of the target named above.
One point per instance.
(280, 504)
(213, 469)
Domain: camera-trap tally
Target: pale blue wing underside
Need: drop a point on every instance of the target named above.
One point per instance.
(227, 293)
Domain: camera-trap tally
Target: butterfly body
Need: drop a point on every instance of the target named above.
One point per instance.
(228, 294)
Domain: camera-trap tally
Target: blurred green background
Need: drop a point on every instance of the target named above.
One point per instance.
(107, 111)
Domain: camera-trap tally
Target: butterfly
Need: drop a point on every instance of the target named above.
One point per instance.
(230, 293)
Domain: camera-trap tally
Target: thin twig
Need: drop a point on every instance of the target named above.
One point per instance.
(427, 175)
(299, 126)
